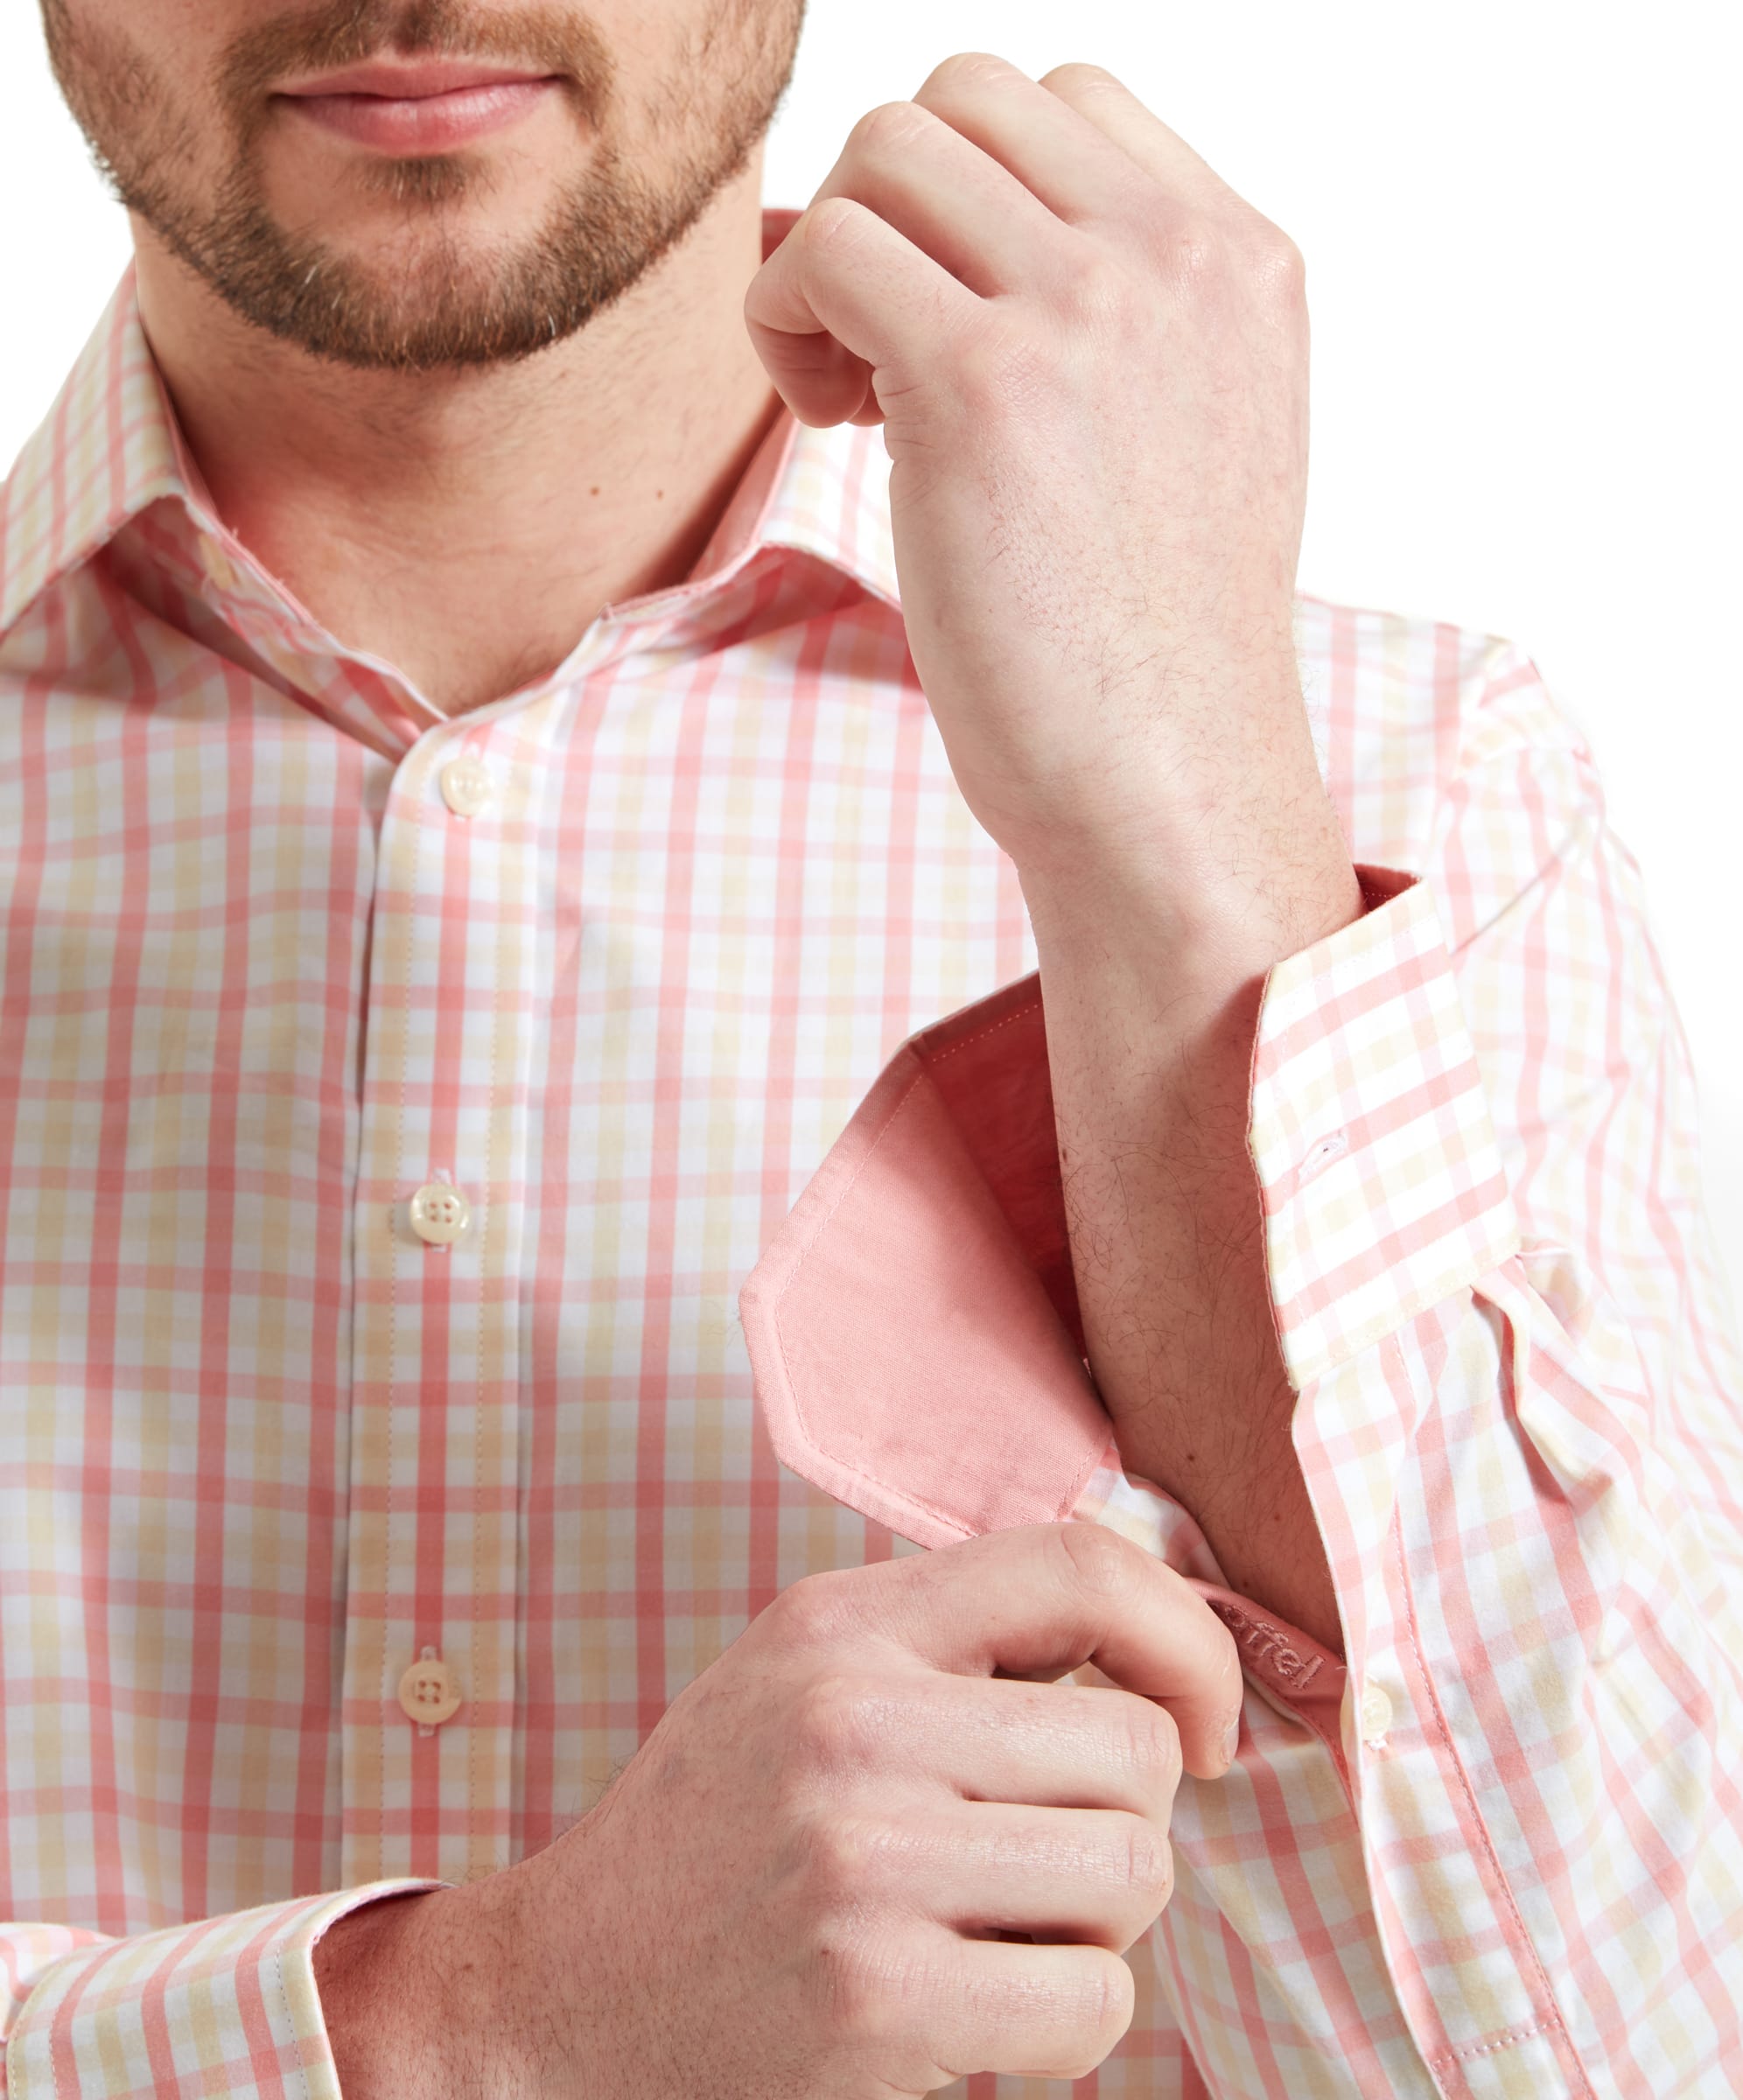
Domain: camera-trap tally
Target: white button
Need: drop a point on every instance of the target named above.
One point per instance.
(428, 1693)
(467, 786)
(439, 1213)
(1376, 1715)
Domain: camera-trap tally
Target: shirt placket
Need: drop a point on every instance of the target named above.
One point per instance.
(430, 1617)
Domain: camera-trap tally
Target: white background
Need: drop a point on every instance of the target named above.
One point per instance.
(1520, 220)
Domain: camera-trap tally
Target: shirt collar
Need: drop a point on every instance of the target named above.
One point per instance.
(110, 446)
(106, 450)
(821, 493)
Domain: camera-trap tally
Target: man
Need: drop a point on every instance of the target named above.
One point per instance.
(492, 771)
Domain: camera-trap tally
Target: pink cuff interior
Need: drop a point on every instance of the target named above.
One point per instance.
(913, 1326)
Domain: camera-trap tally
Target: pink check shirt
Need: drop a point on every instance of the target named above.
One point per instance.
(337, 1556)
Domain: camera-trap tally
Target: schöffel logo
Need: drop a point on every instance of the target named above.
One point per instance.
(1266, 1645)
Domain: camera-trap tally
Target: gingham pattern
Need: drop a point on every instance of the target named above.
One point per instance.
(1375, 1025)
(229, 2006)
(258, 1444)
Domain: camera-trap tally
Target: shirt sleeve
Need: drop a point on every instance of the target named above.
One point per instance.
(1473, 1122)
(1495, 1850)
(227, 2006)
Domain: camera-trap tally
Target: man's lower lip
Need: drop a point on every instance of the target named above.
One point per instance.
(429, 123)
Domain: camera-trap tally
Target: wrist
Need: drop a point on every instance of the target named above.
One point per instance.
(1219, 850)
(1158, 923)
(370, 1999)
(415, 1993)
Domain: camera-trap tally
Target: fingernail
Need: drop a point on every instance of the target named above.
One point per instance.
(1231, 1741)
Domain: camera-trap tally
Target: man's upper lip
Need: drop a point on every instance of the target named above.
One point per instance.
(412, 79)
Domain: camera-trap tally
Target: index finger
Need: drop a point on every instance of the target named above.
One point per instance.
(1045, 1599)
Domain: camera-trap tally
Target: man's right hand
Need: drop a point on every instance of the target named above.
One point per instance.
(821, 1876)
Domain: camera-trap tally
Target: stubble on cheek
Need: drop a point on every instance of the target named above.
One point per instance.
(131, 120)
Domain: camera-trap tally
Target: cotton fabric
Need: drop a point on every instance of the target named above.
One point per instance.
(261, 1446)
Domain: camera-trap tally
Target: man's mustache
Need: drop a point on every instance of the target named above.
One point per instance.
(560, 41)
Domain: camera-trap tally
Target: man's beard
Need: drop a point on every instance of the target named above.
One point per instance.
(455, 306)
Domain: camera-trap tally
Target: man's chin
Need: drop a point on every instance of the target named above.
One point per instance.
(403, 296)
(454, 264)
(372, 326)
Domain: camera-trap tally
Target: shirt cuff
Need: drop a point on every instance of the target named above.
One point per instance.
(1383, 1184)
(1294, 1674)
(224, 2005)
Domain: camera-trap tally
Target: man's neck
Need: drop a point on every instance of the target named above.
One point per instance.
(468, 526)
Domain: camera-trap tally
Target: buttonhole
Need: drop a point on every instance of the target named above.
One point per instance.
(1322, 1155)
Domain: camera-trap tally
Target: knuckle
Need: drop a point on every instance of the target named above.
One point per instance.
(876, 1997)
(967, 70)
(809, 1613)
(1246, 255)
(1079, 77)
(1096, 286)
(1101, 2012)
(1147, 1861)
(889, 127)
(839, 1854)
(1111, 2002)
(1099, 1561)
(850, 1978)
(831, 1725)
(1279, 266)
(826, 224)
(1083, 2014)
(1154, 1747)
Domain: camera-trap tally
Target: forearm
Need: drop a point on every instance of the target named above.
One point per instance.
(1152, 994)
